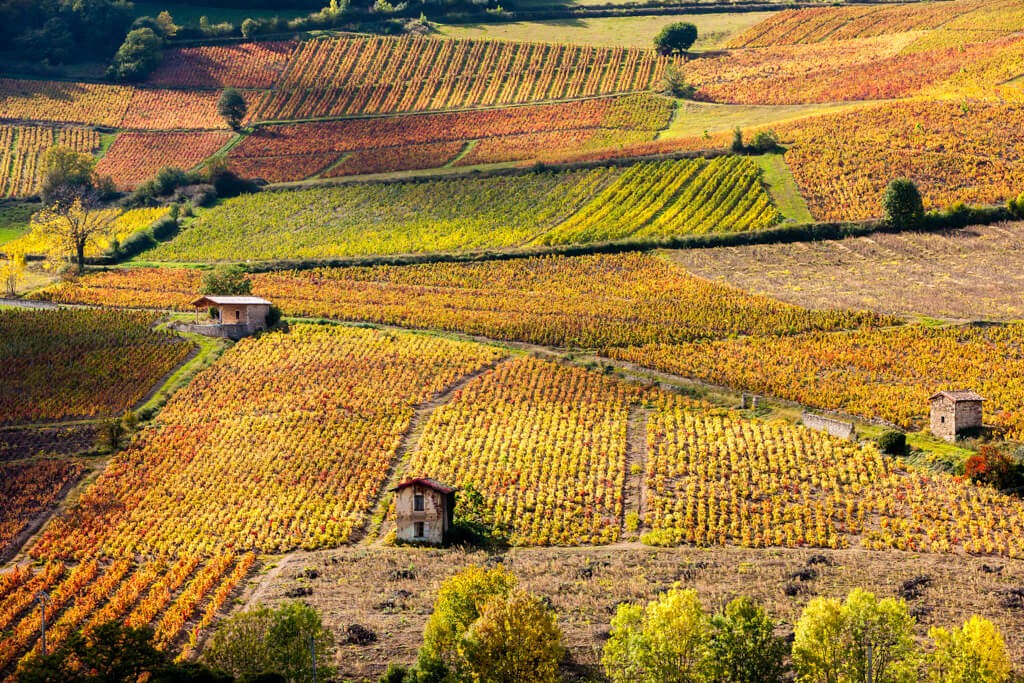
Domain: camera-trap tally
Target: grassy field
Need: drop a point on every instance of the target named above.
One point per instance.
(783, 188)
(14, 219)
(696, 118)
(715, 30)
(974, 273)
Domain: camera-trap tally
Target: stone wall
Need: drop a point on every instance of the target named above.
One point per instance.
(837, 428)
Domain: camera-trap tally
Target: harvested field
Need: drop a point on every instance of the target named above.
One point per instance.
(391, 590)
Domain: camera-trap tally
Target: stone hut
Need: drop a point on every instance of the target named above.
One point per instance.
(953, 412)
(424, 510)
(237, 316)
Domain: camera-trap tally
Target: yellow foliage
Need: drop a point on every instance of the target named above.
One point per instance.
(975, 653)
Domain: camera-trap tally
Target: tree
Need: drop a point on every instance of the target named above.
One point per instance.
(675, 38)
(138, 55)
(991, 466)
(833, 641)
(66, 172)
(277, 640)
(232, 107)
(12, 270)
(674, 83)
(975, 653)
(515, 639)
(226, 281)
(458, 604)
(738, 145)
(109, 653)
(744, 647)
(666, 641)
(71, 225)
(902, 204)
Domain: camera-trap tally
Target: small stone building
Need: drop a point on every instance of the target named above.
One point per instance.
(237, 316)
(953, 412)
(424, 510)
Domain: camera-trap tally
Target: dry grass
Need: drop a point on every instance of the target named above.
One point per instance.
(391, 590)
(696, 118)
(974, 273)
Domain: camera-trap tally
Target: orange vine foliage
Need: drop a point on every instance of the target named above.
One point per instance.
(348, 76)
(93, 103)
(176, 110)
(29, 487)
(284, 443)
(544, 444)
(956, 152)
(586, 301)
(136, 157)
(68, 363)
(245, 65)
(715, 478)
(887, 374)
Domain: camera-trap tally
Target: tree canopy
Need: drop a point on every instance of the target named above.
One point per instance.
(902, 204)
(675, 38)
(232, 107)
(62, 31)
(138, 55)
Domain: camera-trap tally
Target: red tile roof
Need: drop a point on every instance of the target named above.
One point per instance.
(427, 482)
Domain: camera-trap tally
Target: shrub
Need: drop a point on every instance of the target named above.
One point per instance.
(675, 38)
(737, 140)
(892, 442)
(975, 653)
(226, 281)
(765, 141)
(993, 467)
(744, 647)
(674, 83)
(138, 55)
(902, 204)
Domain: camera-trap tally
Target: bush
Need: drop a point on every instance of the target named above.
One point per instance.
(892, 442)
(226, 281)
(737, 141)
(674, 83)
(168, 179)
(993, 467)
(138, 55)
(902, 204)
(165, 228)
(675, 38)
(765, 141)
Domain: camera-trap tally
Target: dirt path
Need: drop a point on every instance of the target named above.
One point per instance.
(634, 487)
(376, 528)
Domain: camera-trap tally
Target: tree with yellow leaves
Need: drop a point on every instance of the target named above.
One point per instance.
(71, 225)
(12, 270)
(975, 653)
(515, 639)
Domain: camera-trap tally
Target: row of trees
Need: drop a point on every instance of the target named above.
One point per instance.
(486, 629)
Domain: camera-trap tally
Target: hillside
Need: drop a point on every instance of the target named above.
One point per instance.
(647, 319)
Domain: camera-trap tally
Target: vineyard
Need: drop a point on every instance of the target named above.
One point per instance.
(792, 27)
(588, 301)
(22, 149)
(860, 69)
(69, 363)
(136, 157)
(284, 443)
(175, 109)
(292, 152)
(877, 373)
(966, 152)
(246, 65)
(715, 478)
(965, 274)
(649, 200)
(28, 488)
(103, 105)
(383, 75)
(170, 596)
(544, 444)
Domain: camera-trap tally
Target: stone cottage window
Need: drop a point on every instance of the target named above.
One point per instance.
(418, 530)
(942, 419)
(417, 503)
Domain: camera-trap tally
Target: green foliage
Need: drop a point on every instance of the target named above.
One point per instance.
(474, 524)
(744, 647)
(1016, 206)
(226, 281)
(765, 141)
(675, 38)
(459, 602)
(110, 653)
(516, 638)
(66, 172)
(902, 204)
(738, 146)
(268, 639)
(674, 83)
(892, 442)
(975, 653)
(666, 642)
(832, 640)
(232, 107)
(138, 55)
(55, 32)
